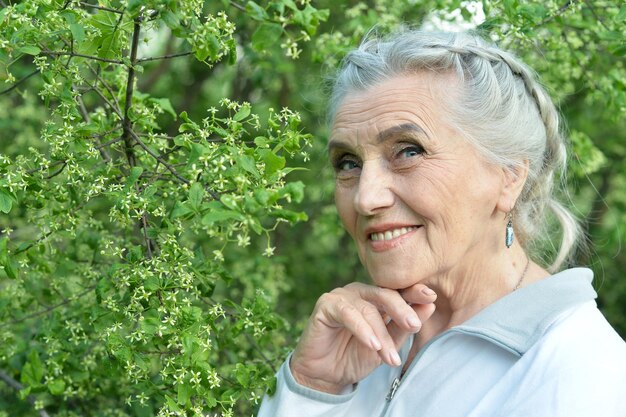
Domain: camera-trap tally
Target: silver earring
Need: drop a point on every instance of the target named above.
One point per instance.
(508, 240)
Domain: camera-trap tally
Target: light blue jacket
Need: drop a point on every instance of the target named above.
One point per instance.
(544, 350)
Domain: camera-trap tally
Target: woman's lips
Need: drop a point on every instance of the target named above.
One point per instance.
(383, 240)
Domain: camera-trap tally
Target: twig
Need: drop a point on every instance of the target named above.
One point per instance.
(83, 111)
(18, 82)
(559, 12)
(113, 107)
(49, 309)
(108, 132)
(106, 86)
(258, 349)
(73, 54)
(238, 6)
(111, 142)
(130, 85)
(106, 9)
(18, 387)
(55, 163)
(57, 172)
(158, 158)
(144, 224)
(156, 58)
(43, 237)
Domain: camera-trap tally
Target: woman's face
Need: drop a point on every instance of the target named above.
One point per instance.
(415, 196)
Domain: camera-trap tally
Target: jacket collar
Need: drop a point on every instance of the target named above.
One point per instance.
(517, 321)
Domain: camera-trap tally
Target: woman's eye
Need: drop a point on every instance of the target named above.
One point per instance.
(346, 165)
(410, 151)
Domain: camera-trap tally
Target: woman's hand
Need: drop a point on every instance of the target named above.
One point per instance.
(354, 329)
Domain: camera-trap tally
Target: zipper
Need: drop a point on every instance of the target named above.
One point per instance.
(395, 384)
(394, 387)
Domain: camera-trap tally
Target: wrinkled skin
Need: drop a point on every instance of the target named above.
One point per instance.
(425, 210)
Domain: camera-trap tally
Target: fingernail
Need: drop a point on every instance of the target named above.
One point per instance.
(413, 322)
(428, 291)
(375, 343)
(395, 358)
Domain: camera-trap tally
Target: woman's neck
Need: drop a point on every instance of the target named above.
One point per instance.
(464, 292)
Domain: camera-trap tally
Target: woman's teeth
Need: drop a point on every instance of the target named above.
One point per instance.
(391, 234)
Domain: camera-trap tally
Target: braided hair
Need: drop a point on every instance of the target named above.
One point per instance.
(502, 110)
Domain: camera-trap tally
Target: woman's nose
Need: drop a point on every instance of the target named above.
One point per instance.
(373, 192)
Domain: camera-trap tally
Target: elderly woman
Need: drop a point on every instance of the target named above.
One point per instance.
(446, 150)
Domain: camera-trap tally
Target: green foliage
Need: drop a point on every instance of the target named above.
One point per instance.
(118, 296)
(152, 158)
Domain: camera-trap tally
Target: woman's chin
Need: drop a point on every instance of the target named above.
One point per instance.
(394, 282)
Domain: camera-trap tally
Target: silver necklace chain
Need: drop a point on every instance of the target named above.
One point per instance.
(519, 282)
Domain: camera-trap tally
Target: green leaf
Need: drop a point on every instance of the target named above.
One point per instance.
(56, 387)
(197, 150)
(266, 36)
(242, 113)
(165, 104)
(6, 201)
(184, 393)
(170, 19)
(29, 49)
(172, 404)
(272, 161)
(196, 193)
(135, 173)
(4, 247)
(181, 210)
(247, 163)
(295, 190)
(25, 393)
(256, 12)
(78, 33)
(210, 399)
(32, 372)
(229, 201)
(9, 267)
(218, 215)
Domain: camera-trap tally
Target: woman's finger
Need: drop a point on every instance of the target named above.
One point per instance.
(424, 311)
(391, 303)
(418, 294)
(335, 311)
(389, 352)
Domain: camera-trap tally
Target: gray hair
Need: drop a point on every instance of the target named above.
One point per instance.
(502, 110)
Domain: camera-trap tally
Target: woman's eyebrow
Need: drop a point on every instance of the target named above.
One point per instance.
(403, 128)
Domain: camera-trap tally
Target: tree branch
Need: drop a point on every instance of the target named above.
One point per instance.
(18, 82)
(48, 309)
(130, 86)
(43, 237)
(18, 387)
(57, 172)
(74, 54)
(108, 88)
(170, 56)
(558, 13)
(158, 158)
(113, 107)
(238, 6)
(106, 9)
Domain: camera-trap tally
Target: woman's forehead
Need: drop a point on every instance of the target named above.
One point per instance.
(415, 98)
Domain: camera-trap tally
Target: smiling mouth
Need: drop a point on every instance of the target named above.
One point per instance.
(391, 234)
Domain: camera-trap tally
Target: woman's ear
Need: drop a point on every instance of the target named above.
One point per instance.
(514, 180)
